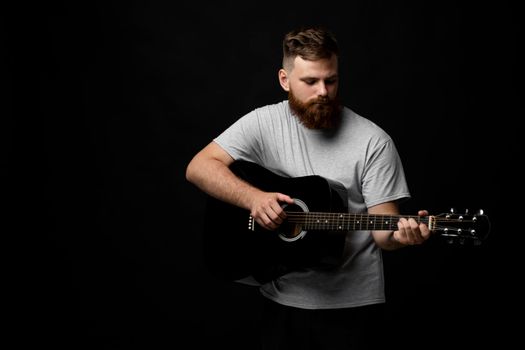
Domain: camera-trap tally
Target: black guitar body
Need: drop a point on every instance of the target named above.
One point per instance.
(233, 250)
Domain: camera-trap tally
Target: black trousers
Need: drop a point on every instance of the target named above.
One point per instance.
(288, 328)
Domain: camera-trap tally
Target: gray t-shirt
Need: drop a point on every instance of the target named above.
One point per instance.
(362, 157)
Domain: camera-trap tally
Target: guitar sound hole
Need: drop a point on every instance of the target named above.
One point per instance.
(290, 228)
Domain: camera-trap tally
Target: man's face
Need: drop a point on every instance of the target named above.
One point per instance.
(312, 91)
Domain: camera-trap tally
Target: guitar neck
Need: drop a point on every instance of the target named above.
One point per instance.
(350, 222)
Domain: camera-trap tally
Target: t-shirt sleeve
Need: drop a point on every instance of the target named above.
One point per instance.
(241, 140)
(384, 178)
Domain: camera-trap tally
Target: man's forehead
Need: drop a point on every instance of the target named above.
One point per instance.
(317, 69)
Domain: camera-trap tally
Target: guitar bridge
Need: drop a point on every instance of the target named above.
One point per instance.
(251, 224)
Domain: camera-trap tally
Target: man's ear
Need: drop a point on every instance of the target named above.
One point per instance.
(283, 80)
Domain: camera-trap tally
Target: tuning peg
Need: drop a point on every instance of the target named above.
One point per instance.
(452, 210)
(480, 212)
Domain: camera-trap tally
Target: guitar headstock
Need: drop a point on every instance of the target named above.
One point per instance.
(462, 228)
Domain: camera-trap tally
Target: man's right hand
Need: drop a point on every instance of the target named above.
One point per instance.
(267, 209)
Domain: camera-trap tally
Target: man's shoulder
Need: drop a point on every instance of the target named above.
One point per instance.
(360, 122)
(271, 107)
(270, 111)
(356, 117)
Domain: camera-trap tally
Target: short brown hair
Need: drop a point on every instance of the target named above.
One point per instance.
(312, 43)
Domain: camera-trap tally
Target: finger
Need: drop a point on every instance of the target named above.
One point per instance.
(422, 213)
(423, 227)
(262, 218)
(401, 227)
(422, 231)
(276, 213)
(266, 222)
(425, 231)
(275, 218)
(409, 231)
(415, 232)
(284, 198)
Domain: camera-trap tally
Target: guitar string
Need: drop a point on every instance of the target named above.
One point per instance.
(337, 219)
(362, 217)
(340, 221)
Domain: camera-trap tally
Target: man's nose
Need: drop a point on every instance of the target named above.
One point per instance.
(321, 89)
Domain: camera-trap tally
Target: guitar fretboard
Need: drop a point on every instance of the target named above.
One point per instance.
(348, 222)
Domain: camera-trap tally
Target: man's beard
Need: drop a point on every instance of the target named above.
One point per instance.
(321, 113)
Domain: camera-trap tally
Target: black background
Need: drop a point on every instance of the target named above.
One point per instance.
(108, 101)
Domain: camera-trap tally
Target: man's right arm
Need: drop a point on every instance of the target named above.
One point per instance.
(209, 171)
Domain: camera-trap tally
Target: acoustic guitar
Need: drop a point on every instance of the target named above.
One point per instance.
(313, 234)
